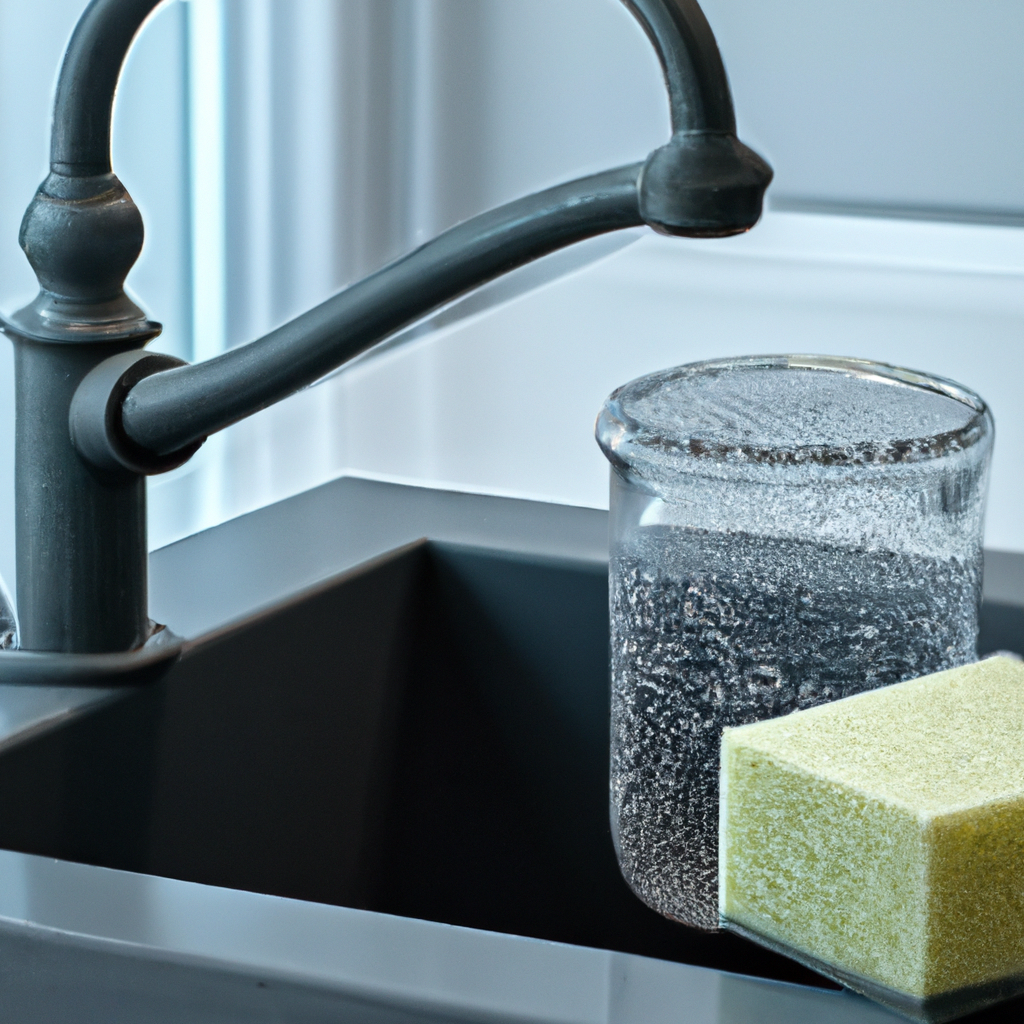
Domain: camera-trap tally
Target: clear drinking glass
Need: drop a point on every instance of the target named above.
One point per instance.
(785, 531)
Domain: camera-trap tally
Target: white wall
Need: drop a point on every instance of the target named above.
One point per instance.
(505, 400)
(353, 129)
(886, 105)
(898, 109)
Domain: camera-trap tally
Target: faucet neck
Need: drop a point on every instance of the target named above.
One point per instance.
(84, 101)
(698, 90)
(82, 232)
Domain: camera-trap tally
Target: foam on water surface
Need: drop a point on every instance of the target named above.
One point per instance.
(761, 407)
(774, 411)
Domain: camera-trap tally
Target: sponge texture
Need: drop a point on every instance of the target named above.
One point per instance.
(884, 834)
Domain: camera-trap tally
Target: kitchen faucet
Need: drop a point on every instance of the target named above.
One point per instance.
(96, 412)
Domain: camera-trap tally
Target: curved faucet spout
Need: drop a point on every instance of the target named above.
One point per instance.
(704, 182)
(84, 102)
(79, 361)
(698, 90)
(170, 410)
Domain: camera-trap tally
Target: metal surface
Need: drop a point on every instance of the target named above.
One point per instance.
(118, 668)
(225, 574)
(103, 442)
(175, 408)
(80, 537)
(81, 533)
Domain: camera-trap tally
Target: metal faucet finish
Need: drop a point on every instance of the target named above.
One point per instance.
(96, 412)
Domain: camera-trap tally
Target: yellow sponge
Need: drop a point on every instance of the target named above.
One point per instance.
(881, 837)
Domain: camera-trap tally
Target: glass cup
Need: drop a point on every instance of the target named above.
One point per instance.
(785, 531)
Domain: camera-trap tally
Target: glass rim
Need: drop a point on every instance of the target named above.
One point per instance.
(622, 438)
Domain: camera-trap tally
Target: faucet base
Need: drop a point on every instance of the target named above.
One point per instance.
(128, 668)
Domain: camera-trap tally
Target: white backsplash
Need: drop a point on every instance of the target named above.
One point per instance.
(504, 401)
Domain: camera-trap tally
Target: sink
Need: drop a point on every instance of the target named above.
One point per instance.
(390, 700)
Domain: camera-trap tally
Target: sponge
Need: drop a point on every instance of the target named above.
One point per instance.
(880, 838)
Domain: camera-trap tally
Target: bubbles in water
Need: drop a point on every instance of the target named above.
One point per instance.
(787, 530)
(715, 629)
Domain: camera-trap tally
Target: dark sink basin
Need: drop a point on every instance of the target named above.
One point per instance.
(422, 735)
(425, 736)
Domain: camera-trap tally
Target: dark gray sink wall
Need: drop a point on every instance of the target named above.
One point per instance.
(210, 579)
(425, 736)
